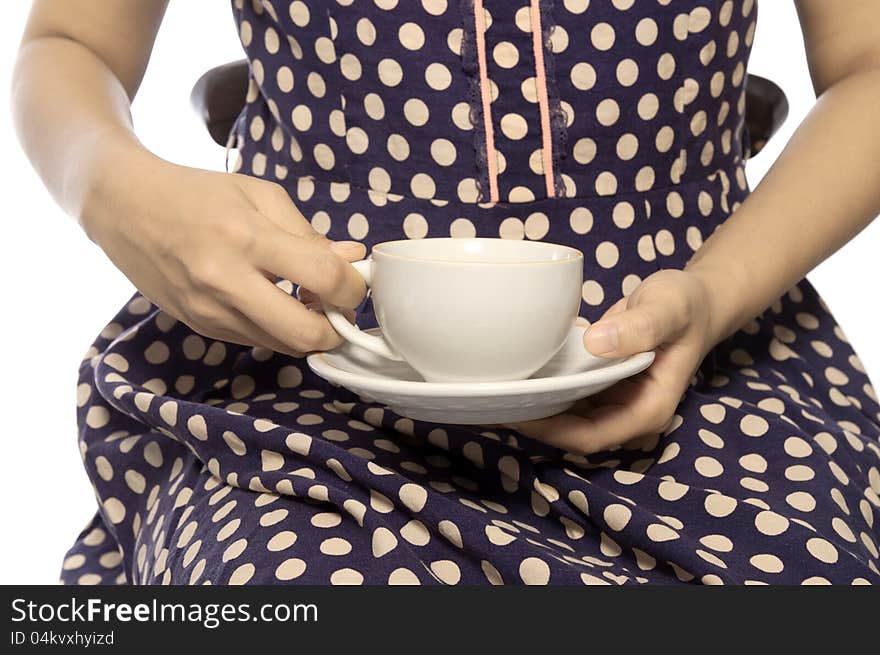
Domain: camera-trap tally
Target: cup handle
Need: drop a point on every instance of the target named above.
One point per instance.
(351, 332)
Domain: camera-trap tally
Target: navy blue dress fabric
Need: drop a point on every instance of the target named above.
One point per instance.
(390, 119)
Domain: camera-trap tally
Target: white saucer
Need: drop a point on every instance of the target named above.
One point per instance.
(572, 374)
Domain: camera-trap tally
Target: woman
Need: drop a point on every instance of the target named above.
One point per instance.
(747, 453)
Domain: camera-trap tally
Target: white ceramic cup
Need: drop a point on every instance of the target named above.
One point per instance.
(468, 310)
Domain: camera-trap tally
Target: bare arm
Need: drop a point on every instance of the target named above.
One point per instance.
(203, 246)
(825, 186)
(78, 68)
(823, 189)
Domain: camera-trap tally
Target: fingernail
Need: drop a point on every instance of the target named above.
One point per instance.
(601, 339)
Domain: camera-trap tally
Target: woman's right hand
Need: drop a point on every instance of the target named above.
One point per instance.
(206, 247)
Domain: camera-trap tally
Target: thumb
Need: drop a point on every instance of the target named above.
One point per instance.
(642, 327)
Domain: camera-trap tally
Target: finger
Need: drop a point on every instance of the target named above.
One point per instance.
(234, 327)
(350, 314)
(308, 263)
(577, 434)
(285, 318)
(260, 337)
(636, 329)
(603, 428)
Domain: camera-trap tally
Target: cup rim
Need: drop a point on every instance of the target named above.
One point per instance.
(377, 250)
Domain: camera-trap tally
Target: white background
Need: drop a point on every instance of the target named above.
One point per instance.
(59, 290)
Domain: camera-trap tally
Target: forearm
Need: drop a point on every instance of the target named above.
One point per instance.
(823, 189)
(72, 116)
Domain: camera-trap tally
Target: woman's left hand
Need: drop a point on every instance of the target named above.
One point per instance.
(669, 312)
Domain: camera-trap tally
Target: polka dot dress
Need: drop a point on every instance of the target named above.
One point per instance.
(612, 126)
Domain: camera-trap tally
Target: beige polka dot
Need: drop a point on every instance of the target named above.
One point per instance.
(646, 31)
(398, 148)
(581, 220)
(797, 447)
(422, 186)
(135, 481)
(114, 510)
(462, 228)
(645, 248)
(607, 112)
(415, 533)
(606, 184)
(659, 532)
(602, 36)
(153, 454)
(708, 467)
(335, 546)
(843, 530)
(537, 225)
(281, 541)
(713, 412)
(411, 36)
(627, 72)
(754, 426)
(243, 574)
(290, 569)
(699, 19)
(236, 445)
(197, 427)
(514, 126)
(771, 523)
(461, 116)
(583, 76)
(390, 72)
(767, 563)
(299, 13)
(366, 31)
(104, 468)
(607, 254)
(511, 228)
(801, 501)
(413, 497)
(534, 571)
(623, 215)
(671, 491)
(299, 442)
(383, 542)
(446, 571)
(648, 106)
(823, 550)
(627, 146)
(438, 77)
(271, 460)
(505, 54)
(753, 462)
(617, 516)
(584, 150)
(800, 473)
(416, 111)
(719, 505)
(301, 117)
(717, 542)
(665, 242)
(97, 416)
(346, 577)
(415, 226)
